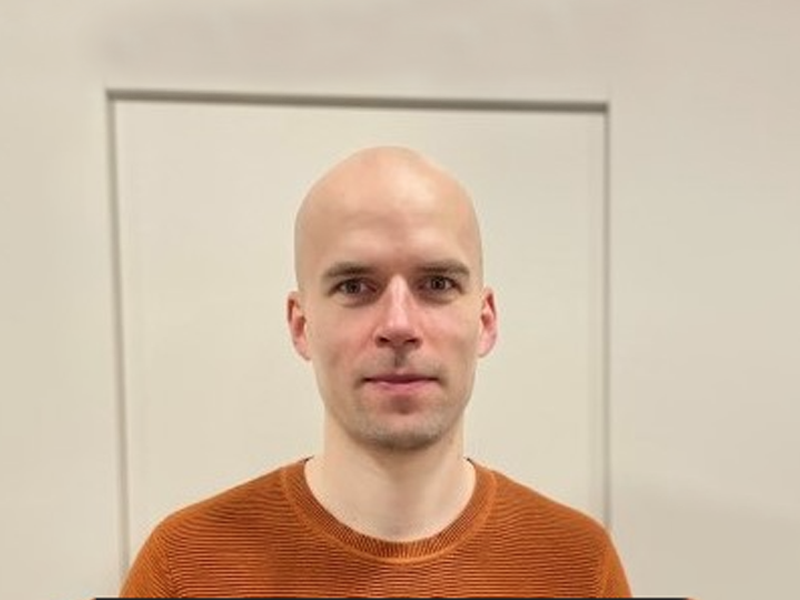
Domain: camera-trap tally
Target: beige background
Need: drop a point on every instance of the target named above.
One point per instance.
(703, 221)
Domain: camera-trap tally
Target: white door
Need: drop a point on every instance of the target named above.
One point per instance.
(679, 119)
(214, 393)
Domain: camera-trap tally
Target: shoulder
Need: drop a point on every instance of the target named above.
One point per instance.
(527, 509)
(535, 529)
(240, 506)
(238, 520)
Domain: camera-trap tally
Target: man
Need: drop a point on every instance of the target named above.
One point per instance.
(392, 312)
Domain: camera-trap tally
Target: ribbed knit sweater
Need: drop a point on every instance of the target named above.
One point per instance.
(270, 537)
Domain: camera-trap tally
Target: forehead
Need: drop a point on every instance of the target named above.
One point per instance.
(386, 209)
(411, 235)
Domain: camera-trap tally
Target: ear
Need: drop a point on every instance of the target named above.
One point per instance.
(296, 319)
(488, 333)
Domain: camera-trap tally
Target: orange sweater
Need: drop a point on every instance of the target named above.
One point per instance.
(270, 537)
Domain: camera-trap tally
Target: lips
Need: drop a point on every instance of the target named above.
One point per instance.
(400, 383)
(398, 378)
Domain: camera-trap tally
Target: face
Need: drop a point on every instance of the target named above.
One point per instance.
(391, 309)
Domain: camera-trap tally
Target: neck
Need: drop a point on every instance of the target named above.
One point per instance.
(391, 495)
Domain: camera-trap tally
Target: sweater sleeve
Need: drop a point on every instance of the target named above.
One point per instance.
(149, 576)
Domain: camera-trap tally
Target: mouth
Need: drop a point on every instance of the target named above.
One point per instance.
(399, 383)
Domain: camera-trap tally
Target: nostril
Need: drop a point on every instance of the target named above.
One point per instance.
(397, 339)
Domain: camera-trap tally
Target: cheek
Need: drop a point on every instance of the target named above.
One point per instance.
(330, 341)
(460, 335)
(325, 360)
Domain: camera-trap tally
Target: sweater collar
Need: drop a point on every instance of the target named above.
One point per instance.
(313, 515)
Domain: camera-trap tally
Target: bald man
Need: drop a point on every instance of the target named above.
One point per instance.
(392, 312)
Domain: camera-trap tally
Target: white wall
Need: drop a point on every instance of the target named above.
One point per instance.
(704, 223)
(707, 334)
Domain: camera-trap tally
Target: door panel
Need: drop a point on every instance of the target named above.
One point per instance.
(206, 197)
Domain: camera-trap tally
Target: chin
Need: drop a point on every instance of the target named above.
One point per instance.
(405, 443)
(405, 438)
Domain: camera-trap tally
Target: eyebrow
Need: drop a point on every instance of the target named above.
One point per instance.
(345, 269)
(447, 267)
(354, 269)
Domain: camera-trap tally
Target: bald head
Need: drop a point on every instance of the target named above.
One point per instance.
(384, 189)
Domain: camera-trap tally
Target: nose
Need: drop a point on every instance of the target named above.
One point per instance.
(397, 325)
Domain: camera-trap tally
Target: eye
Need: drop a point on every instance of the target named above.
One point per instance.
(439, 283)
(352, 287)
